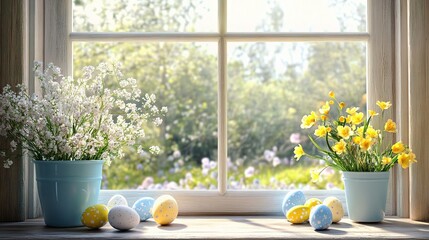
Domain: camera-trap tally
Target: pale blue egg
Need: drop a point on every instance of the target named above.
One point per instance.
(292, 199)
(320, 217)
(143, 207)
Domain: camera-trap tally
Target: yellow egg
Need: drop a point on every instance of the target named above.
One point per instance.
(165, 210)
(298, 214)
(95, 216)
(312, 202)
(336, 208)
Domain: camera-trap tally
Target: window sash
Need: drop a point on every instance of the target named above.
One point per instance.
(222, 39)
(194, 202)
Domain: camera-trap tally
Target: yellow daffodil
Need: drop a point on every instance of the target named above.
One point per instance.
(357, 139)
(404, 160)
(308, 121)
(371, 132)
(298, 151)
(340, 147)
(352, 111)
(357, 118)
(359, 131)
(412, 157)
(354, 137)
(390, 126)
(314, 173)
(384, 105)
(344, 132)
(348, 119)
(386, 160)
(325, 108)
(321, 131)
(343, 119)
(398, 147)
(365, 144)
(372, 113)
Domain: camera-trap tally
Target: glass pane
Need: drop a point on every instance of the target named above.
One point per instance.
(183, 76)
(270, 87)
(144, 16)
(297, 16)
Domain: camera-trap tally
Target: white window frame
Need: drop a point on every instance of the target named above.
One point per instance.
(57, 42)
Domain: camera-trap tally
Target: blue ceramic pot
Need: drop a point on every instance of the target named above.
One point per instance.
(66, 189)
(366, 194)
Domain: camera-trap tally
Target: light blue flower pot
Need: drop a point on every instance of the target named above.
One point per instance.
(366, 194)
(66, 189)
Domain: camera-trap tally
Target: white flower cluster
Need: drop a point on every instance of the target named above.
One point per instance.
(78, 119)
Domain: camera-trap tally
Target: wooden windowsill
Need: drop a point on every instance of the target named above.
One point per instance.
(224, 227)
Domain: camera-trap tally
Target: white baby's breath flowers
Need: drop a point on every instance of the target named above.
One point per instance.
(154, 150)
(78, 119)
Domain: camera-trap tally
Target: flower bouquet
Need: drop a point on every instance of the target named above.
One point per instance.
(357, 148)
(75, 126)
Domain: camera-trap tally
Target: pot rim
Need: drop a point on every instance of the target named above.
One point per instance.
(66, 161)
(366, 175)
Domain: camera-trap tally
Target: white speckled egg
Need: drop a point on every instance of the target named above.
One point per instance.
(320, 217)
(143, 207)
(165, 210)
(292, 199)
(117, 200)
(336, 208)
(123, 218)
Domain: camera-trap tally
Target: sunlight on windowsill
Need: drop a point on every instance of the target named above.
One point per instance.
(225, 227)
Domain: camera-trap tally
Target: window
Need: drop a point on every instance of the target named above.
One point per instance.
(275, 46)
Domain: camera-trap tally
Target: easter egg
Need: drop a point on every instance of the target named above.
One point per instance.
(336, 208)
(292, 199)
(123, 218)
(143, 207)
(320, 217)
(165, 210)
(298, 214)
(312, 202)
(95, 216)
(117, 200)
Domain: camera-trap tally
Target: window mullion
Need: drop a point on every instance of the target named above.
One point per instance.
(143, 36)
(222, 100)
(296, 36)
(212, 37)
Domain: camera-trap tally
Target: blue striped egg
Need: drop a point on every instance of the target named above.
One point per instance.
(292, 199)
(143, 207)
(320, 217)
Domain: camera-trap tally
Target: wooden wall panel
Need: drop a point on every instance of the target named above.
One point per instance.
(419, 107)
(401, 102)
(12, 71)
(57, 46)
(381, 71)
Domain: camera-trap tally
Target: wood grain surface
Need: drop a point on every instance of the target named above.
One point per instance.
(381, 70)
(12, 67)
(401, 103)
(224, 228)
(419, 107)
